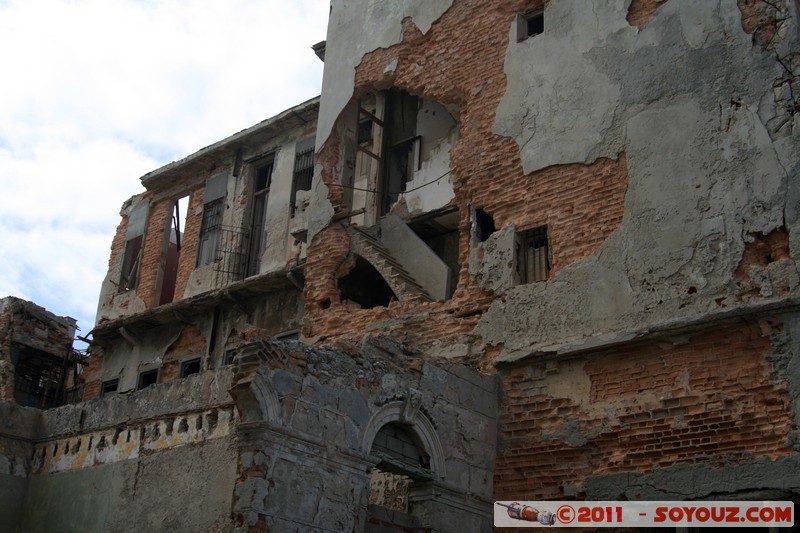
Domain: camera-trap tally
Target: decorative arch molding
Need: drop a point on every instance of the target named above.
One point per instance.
(408, 413)
(256, 401)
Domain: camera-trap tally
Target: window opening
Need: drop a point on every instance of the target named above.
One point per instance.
(530, 24)
(402, 461)
(262, 180)
(484, 225)
(303, 169)
(38, 377)
(134, 237)
(130, 264)
(365, 286)
(109, 388)
(532, 255)
(210, 232)
(190, 367)
(147, 378)
(229, 357)
(169, 278)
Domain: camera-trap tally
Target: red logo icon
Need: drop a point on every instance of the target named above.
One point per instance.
(565, 514)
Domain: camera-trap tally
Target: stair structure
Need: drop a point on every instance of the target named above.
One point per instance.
(368, 245)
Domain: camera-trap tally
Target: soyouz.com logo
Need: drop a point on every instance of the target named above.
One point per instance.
(643, 514)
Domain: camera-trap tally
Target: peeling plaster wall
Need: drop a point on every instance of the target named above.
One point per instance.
(157, 459)
(689, 416)
(687, 98)
(354, 29)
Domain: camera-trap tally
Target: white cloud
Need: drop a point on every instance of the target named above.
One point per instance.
(97, 93)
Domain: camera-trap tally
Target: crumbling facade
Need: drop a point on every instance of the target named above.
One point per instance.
(549, 251)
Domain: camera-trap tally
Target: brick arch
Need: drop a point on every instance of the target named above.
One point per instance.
(404, 413)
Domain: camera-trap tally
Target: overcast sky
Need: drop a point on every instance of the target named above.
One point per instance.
(96, 93)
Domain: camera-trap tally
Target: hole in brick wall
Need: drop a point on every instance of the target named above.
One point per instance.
(190, 367)
(198, 423)
(183, 425)
(484, 225)
(325, 304)
(101, 444)
(115, 438)
(530, 24)
(365, 286)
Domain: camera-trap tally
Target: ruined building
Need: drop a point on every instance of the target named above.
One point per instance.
(515, 250)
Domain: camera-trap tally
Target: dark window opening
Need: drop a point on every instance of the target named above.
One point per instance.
(303, 170)
(38, 378)
(130, 264)
(229, 356)
(264, 176)
(109, 388)
(210, 232)
(532, 255)
(484, 225)
(190, 367)
(147, 378)
(530, 24)
(365, 286)
(261, 184)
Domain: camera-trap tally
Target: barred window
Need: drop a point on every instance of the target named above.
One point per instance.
(209, 232)
(532, 255)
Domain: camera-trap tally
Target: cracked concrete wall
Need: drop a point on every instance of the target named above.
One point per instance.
(690, 100)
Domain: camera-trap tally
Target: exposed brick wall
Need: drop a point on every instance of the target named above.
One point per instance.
(118, 244)
(580, 204)
(761, 251)
(641, 11)
(191, 342)
(711, 400)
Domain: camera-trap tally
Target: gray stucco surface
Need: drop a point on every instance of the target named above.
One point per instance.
(688, 99)
(181, 489)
